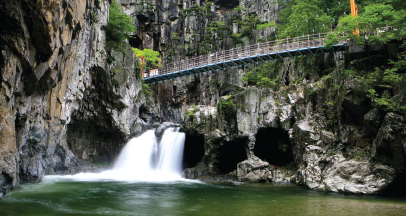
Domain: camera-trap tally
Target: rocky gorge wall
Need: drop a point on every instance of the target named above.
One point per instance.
(319, 128)
(63, 106)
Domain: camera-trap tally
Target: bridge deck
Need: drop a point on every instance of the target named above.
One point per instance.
(253, 54)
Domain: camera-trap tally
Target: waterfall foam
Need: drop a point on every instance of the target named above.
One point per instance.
(143, 159)
(171, 151)
(137, 154)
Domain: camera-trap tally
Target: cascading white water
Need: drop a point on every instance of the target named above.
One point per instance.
(137, 159)
(137, 154)
(171, 151)
(141, 153)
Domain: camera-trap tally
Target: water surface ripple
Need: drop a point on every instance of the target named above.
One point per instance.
(58, 195)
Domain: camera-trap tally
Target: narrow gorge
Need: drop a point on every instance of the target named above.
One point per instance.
(71, 97)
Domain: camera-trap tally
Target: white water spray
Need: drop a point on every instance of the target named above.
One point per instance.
(137, 154)
(143, 159)
(171, 151)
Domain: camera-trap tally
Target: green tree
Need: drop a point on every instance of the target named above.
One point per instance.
(119, 24)
(265, 25)
(304, 17)
(263, 76)
(368, 23)
(146, 56)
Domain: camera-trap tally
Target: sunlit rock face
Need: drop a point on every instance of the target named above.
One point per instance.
(334, 140)
(288, 139)
(325, 125)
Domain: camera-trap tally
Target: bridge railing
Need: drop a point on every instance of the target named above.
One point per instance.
(283, 45)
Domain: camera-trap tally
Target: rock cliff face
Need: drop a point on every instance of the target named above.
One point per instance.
(318, 129)
(62, 104)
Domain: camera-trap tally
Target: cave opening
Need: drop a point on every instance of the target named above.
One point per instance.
(397, 187)
(135, 42)
(174, 90)
(193, 151)
(273, 146)
(230, 154)
(229, 4)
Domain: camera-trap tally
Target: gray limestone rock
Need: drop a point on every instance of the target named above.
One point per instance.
(252, 170)
(388, 146)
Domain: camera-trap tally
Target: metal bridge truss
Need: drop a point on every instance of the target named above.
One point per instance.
(253, 54)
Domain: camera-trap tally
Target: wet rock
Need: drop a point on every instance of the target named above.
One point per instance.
(196, 172)
(161, 129)
(252, 170)
(358, 177)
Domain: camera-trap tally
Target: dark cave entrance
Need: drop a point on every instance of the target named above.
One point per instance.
(135, 41)
(398, 186)
(174, 90)
(230, 154)
(193, 151)
(273, 145)
(229, 4)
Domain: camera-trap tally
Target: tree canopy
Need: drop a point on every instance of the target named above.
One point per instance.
(119, 24)
(303, 17)
(148, 55)
(371, 24)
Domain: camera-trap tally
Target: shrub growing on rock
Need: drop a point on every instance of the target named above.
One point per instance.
(119, 24)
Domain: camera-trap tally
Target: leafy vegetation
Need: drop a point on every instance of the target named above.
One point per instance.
(148, 57)
(264, 76)
(301, 17)
(228, 108)
(359, 155)
(146, 90)
(384, 88)
(370, 24)
(191, 112)
(246, 26)
(119, 24)
(214, 29)
(265, 25)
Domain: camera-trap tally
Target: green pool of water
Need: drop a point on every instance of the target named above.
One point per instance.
(60, 196)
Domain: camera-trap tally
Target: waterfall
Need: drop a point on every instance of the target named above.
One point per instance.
(171, 151)
(141, 153)
(143, 159)
(137, 154)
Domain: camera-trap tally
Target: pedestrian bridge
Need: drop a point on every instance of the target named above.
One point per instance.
(252, 54)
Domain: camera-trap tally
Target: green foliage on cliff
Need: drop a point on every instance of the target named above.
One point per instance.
(302, 17)
(370, 24)
(228, 108)
(150, 56)
(239, 9)
(264, 76)
(146, 90)
(265, 25)
(119, 24)
(384, 87)
(245, 26)
(215, 30)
